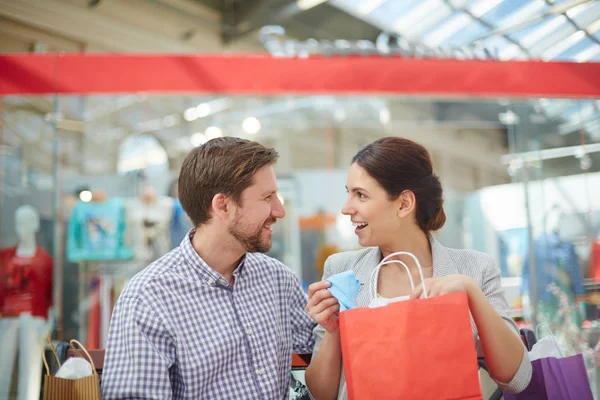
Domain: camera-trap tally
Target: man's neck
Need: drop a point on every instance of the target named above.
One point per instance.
(217, 251)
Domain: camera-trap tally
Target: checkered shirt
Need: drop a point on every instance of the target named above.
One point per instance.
(180, 331)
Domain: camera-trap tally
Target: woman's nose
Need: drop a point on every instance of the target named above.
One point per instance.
(347, 209)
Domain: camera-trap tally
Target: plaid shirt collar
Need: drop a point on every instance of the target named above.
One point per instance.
(207, 274)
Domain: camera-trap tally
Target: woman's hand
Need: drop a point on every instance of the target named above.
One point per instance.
(445, 285)
(322, 306)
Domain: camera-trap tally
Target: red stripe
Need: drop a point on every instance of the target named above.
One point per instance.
(262, 74)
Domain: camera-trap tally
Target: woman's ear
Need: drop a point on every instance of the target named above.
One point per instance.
(406, 203)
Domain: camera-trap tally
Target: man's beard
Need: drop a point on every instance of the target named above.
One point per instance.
(253, 242)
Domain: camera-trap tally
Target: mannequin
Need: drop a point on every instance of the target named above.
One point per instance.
(26, 286)
(148, 223)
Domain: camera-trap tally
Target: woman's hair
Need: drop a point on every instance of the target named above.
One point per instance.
(399, 164)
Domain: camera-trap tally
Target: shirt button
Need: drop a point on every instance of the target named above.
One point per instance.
(223, 281)
(249, 332)
(260, 371)
(210, 281)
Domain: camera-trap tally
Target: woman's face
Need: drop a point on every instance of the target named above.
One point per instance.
(374, 216)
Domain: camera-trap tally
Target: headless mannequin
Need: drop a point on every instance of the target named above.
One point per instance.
(28, 268)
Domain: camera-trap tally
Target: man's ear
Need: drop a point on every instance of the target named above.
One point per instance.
(406, 203)
(221, 206)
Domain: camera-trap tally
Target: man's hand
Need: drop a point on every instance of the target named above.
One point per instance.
(322, 306)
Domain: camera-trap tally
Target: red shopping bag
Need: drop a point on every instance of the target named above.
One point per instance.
(416, 349)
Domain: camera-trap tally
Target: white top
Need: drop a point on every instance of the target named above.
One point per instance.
(147, 230)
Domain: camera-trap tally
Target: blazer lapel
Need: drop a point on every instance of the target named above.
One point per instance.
(363, 269)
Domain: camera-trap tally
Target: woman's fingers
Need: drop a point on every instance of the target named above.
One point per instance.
(318, 297)
(322, 306)
(328, 318)
(417, 292)
(315, 287)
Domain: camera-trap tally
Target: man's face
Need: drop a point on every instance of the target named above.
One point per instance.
(259, 209)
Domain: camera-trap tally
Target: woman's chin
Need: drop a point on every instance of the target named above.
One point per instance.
(364, 242)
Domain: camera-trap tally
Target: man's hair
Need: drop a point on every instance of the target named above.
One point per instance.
(223, 165)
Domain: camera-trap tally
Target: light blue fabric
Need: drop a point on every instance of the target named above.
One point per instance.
(344, 287)
(180, 224)
(96, 232)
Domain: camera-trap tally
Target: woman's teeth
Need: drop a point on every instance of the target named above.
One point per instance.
(360, 225)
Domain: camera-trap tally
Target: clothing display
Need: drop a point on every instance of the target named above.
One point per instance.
(595, 261)
(148, 228)
(97, 232)
(555, 262)
(180, 224)
(25, 283)
(22, 336)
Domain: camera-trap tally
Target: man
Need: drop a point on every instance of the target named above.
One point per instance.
(214, 318)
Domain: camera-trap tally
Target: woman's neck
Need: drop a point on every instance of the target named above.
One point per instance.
(416, 242)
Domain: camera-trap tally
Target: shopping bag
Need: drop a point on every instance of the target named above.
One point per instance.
(87, 388)
(555, 378)
(414, 349)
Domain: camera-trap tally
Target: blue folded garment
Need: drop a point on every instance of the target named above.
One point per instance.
(344, 287)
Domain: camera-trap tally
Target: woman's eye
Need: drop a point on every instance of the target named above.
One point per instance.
(361, 196)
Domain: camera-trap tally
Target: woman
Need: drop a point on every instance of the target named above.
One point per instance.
(395, 202)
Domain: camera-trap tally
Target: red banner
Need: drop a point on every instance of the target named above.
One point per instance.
(33, 74)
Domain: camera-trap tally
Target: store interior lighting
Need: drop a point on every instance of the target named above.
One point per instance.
(198, 139)
(384, 116)
(200, 111)
(251, 125)
(85, 196)
(213, 132)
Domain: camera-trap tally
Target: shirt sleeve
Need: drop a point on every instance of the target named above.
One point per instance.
(492, 288)
(139, 354)
(302, 323)
(319, 331)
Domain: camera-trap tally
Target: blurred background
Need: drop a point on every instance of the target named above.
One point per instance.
(521, 175)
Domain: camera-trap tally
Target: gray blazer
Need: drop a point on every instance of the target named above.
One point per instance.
(446, 261)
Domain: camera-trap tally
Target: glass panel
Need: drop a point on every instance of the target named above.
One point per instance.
(552, 244)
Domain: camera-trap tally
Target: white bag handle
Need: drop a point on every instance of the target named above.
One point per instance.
(385, 262)
(375, 276)
(537, 334)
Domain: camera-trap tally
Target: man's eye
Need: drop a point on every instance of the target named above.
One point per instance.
(361, 196)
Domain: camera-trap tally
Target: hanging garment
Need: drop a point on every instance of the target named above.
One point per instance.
(555, 262)
(25, 283)
(595, 261)
(180, 224)
(97, 231)
(148, 228)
